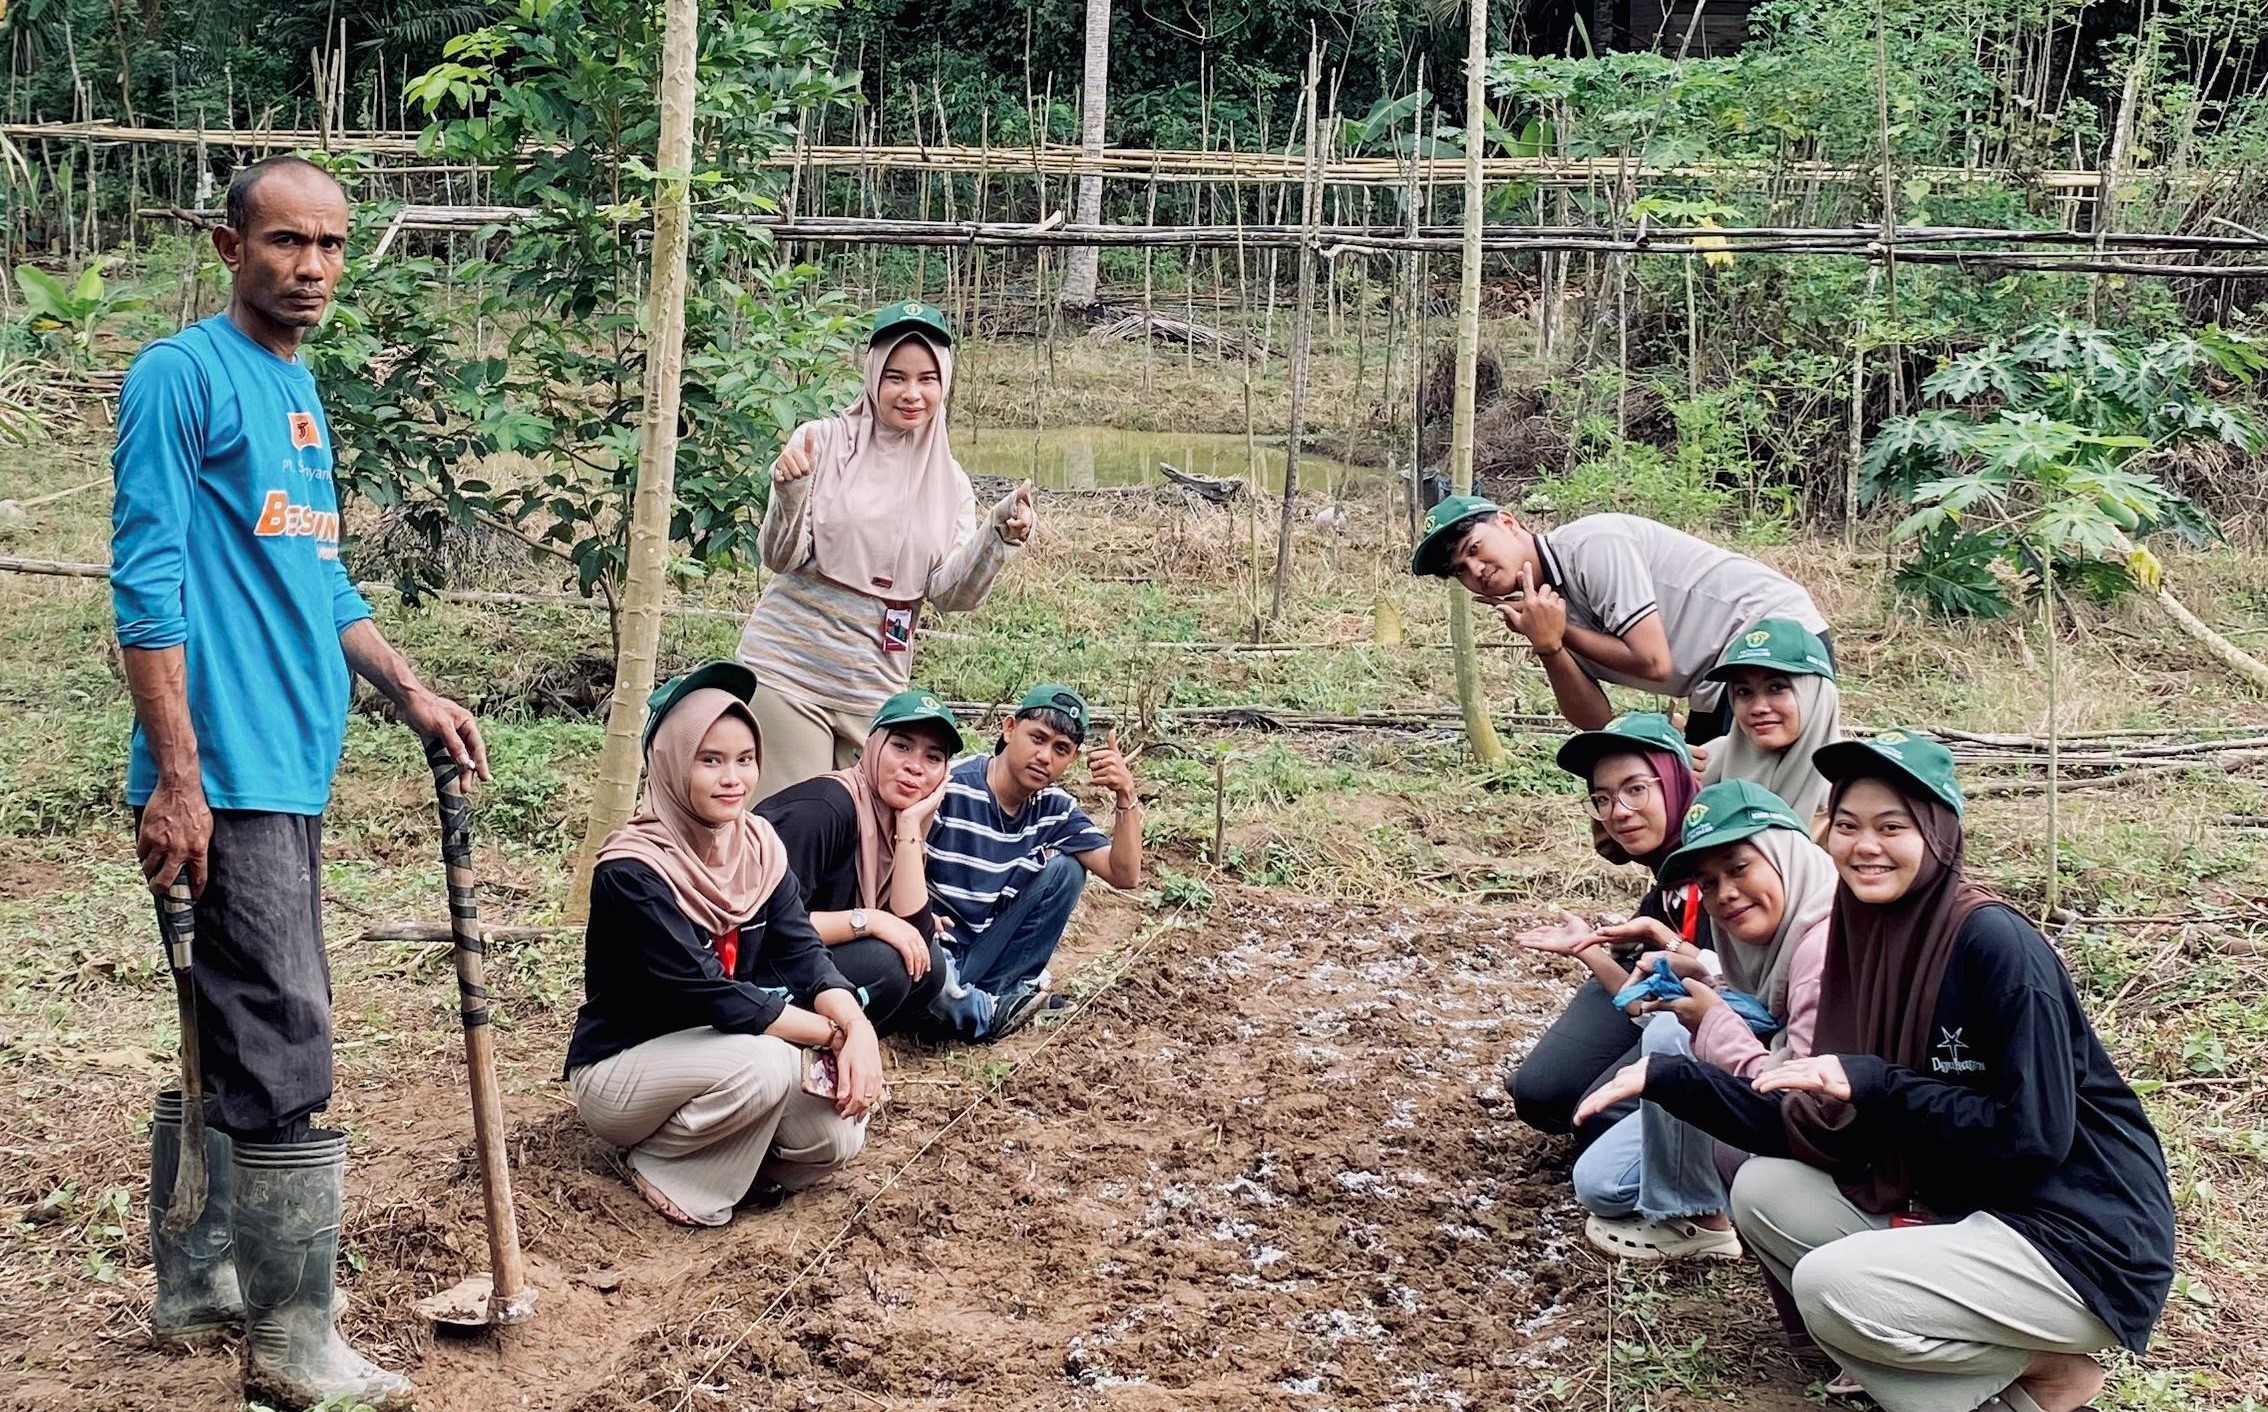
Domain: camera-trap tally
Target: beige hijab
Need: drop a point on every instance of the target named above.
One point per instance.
(1787, 773)
(877, 823)
(1807, 882)
(886, 504)
(720, 873)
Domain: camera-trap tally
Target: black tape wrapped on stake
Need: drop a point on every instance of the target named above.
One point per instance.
(456, 862)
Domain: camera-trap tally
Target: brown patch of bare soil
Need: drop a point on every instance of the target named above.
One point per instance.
(1268, 1165)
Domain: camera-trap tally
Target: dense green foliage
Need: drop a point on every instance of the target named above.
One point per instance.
(546, 358)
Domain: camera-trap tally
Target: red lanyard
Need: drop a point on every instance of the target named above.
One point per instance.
(727, 947)
(1689, 912)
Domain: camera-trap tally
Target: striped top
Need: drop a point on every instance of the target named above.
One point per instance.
(813, 640)
(980, 856)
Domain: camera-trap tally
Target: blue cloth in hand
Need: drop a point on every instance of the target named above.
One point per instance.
(1661, 983)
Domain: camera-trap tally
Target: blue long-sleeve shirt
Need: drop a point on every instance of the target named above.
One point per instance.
(225, 542)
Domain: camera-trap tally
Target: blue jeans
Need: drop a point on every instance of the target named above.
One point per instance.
(1650, 1162)
(1014, 949)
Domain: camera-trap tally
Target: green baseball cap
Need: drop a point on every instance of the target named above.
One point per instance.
(1631, 731)
(1901, 756)
(911, 316)
(1726, 812)
(1054, 696)
(917, 705)
(724, 676)
(1776, 644)
(1439, 532)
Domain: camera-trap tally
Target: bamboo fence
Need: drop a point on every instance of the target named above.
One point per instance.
(1136, 164)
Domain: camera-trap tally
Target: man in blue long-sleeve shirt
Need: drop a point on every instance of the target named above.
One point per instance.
(240, 632)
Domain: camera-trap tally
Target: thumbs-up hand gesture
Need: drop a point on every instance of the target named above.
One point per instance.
(1023, 515)
(797, 459)
(1108, 768)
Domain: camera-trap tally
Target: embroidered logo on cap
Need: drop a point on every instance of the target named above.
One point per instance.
(1696, 814)
(1758, 639)
(931, 703)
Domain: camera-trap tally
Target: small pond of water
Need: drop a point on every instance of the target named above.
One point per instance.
(1086, 458)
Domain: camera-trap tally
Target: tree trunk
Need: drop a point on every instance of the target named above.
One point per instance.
(1079, 275)
(1480, 731)
(2223, 651)
(641, 616)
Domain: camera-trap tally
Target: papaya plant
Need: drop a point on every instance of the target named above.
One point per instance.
(2046, 453)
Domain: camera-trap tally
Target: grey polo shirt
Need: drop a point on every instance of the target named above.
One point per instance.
(1613, 570)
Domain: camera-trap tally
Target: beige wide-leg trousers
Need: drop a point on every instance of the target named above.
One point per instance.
(704, 1113)
(1940, 1318)
(803, 741)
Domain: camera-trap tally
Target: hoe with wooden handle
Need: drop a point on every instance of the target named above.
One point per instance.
(502, 1296)
(177, 925)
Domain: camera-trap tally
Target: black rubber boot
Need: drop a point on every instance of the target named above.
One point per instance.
(288, 1202)
(197, 1296)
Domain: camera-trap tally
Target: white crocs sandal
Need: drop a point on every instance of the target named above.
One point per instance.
(1643, 1238)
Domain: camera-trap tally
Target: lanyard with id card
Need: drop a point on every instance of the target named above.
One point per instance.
(897, 626)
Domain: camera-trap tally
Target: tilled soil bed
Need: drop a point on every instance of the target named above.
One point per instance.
(1263, 1161)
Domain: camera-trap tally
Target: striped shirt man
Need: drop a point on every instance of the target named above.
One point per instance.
(980, 856)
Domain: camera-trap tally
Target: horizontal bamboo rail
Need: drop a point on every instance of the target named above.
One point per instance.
(1911, 244)
(1132, 163)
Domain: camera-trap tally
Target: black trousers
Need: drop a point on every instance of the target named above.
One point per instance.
(263, 981)
(893, 1000)
(1701, 727)
(1584, 1048)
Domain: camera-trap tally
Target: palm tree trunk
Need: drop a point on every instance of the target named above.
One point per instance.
(641, 616)
(1079, 274)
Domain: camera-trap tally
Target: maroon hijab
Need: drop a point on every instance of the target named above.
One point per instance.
(1678, 789)
(1878, 994)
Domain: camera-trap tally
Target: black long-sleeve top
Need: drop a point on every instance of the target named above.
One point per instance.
(648, 971)
(819, 826)
(2021, 1113)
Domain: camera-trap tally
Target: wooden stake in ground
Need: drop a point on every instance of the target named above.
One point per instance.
(1303, 321)
(617, 788)
(1480, 732)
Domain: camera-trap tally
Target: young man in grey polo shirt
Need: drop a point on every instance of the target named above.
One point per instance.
(1614, 598)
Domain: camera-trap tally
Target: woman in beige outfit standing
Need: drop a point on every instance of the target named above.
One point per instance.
(870, 517)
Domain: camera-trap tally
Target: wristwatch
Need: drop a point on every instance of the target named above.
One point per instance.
(858, 921)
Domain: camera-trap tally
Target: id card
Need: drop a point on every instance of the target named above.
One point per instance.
(897, 627)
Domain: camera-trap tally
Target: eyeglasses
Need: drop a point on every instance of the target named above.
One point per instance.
(1631, 796)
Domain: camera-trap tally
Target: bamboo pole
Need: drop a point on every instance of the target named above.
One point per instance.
(1480, 732)
(644, 581)
(1303, 321)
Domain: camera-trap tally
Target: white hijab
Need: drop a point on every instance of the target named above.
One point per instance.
(1787, 773)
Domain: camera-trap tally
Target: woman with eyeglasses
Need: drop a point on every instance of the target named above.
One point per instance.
(1964, 1196)
(1641, 781)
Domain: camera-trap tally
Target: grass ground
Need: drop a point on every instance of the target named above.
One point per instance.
(1262, 1164)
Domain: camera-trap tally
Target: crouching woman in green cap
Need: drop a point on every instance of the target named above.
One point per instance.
(857, 841)
(1655, 1186)
(1960, 1190)
(869, 517)
(709, 1002)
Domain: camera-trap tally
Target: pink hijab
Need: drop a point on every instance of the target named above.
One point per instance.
(886, 504)
(720, 873)
(877, 823)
